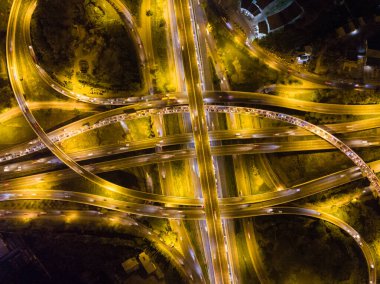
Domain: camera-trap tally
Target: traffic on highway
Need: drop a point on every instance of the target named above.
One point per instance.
(206, 130)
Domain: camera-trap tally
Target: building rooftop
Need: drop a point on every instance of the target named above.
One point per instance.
(147, 263)
(130, 265)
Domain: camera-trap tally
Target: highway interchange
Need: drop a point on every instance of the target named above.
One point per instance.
(195, 101)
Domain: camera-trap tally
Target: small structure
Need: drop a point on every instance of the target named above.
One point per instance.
(351, 28)
(303, 58)
(350, 66)
(147, 263)
(130, 265)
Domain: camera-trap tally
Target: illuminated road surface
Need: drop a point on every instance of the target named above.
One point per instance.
(180, 207)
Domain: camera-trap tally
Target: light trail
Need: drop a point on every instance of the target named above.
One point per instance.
(202, 145)
(181, 208)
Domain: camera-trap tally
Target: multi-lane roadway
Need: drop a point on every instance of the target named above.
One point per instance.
(193, 77)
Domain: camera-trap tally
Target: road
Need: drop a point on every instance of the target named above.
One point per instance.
(188, 37)
(198, 127)
(278, 101)
(72, 164)
(234, 203)
(312, 128)
(191, 47)
(118, 115)
(12, 56)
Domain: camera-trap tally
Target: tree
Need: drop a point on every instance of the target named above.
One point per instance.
(162, 23)
(6, 97)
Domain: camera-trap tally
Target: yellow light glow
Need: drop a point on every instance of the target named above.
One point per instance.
(72, 216)
(208, 28)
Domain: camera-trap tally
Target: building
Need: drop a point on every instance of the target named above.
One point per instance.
(130, 265)
(147, 263)
(351, 28)
(267, 16)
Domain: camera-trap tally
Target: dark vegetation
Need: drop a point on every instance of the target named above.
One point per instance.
(6, 94)
(70, 30)
(347, 96)
(86, 252)
(305, 250)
